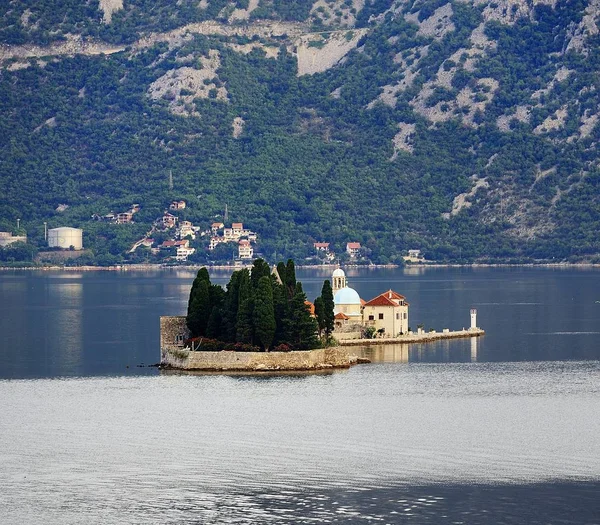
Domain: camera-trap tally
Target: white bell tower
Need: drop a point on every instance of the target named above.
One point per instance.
(338, 280)
(473, 319)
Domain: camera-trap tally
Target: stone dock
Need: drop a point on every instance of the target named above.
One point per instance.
(424, 337)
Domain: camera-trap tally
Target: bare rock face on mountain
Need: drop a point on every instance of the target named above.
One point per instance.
(473, 123)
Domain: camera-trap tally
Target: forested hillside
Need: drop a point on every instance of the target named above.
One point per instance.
(467, 129)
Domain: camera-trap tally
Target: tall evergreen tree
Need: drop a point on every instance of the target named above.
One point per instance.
(230, 306)
(303, 326)
(281, 270)
(320, 314)
(260, 268)
(202, 275)
(290, 278)
(328, 306)
(264, 313)
(280, 305)
(244, 321)
(199, 310)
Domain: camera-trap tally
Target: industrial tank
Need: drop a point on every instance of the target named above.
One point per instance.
(65, 238)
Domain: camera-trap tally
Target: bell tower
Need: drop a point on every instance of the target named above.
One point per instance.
(338, 280)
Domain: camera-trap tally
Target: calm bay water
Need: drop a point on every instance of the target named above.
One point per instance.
(502, 429)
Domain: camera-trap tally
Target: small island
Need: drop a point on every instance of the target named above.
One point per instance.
(262, 321)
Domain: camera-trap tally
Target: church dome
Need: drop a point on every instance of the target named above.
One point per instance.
(339, 273)
(346, 296)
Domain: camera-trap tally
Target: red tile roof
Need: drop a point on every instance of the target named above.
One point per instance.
(353, 246)
(238, 225)
(341, 315)
(311, 307)
(388, 298)
(321, 244)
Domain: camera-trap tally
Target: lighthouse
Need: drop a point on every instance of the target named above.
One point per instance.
(473, 319)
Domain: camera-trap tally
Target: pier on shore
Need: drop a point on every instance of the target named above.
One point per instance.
(424, 337)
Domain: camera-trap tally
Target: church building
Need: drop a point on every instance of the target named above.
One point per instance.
(388, 312)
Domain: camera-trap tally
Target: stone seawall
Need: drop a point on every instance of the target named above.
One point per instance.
(321, 359)
(414, 338)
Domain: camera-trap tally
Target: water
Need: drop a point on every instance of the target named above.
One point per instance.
(503, 431)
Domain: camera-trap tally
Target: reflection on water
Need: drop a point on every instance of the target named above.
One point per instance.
(66, 326)
(397, 353)
(99, 323)
(425, 443)
(443, 351)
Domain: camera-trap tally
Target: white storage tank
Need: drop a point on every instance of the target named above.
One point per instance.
(65, 238)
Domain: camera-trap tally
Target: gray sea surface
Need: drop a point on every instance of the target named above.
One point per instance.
(500, 429)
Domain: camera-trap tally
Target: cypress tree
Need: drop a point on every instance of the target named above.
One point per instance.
(214, 328)
(281, 272)
(202, 275)
(290, 278)
(244, 327)
(320, 314)
(264, 313)
(280, 305)
(230, 306)
(260, 268)
(328, 306)
(303, 327)
(199, 310)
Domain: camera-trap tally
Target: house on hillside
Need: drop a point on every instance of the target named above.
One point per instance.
(177, 205)
(7, 238)
(124, 217)
(216, 226)
(183, 252)
(245, 250)
(353, 248)
(168, 220)
(321, 246)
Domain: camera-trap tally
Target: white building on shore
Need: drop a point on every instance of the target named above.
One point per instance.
(387, 313)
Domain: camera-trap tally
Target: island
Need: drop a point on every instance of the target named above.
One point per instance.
(263, 321)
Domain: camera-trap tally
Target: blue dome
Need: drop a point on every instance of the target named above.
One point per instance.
(346, 296)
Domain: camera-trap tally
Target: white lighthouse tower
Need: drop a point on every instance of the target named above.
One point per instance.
(473, 319)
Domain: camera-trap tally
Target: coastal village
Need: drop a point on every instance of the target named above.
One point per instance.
(173, 238)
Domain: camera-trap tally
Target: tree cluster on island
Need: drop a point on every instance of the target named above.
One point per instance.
(259, 311)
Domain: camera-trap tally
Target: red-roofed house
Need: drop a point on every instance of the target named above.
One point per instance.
(353, 248)
(245, 249)
(321, 246)
(387, 311)
(216, 226)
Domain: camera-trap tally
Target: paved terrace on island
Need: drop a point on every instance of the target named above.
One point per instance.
(424, 337)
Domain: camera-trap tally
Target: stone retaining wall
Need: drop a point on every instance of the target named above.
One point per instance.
(184, 359)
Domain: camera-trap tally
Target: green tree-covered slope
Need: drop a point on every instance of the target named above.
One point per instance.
(466, 129)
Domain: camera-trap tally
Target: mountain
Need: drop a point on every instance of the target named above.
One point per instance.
(467, 129)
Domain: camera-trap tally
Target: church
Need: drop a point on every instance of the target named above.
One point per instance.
(387, 313)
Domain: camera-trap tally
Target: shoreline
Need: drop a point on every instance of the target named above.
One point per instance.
(157, 267)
